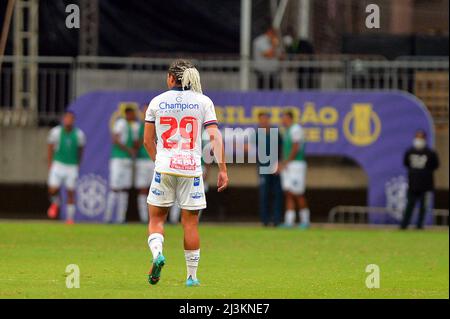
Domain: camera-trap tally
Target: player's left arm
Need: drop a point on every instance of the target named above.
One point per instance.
(215, 138)
(139, 141)
(81, 144)
(216, 141)
(291, 157)
(297, 139)
(294, 151)
(51, 142)
(80, 154)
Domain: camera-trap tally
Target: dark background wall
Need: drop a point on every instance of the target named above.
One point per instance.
(143, 27)
(137, 27)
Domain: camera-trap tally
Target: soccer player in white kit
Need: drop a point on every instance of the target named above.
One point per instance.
(172, 137)
(124, 150)
(293, 171)
(65, 149)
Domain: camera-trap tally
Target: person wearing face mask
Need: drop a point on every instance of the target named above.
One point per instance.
(421, 162)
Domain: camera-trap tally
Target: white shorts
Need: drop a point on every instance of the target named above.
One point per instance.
(187, 192)
(120, 173)
(62, 174)
(143, 173)
(293, 177)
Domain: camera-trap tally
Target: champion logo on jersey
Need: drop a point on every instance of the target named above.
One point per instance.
(178, 106)
(157, 177)
(196, 181)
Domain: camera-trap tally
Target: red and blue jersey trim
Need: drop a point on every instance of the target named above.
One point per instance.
(212, 122)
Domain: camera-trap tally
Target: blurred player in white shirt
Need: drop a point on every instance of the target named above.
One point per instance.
(143, 172)
(124, 136)
(174, 123)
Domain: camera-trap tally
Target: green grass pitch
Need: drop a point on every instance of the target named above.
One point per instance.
(236, 262)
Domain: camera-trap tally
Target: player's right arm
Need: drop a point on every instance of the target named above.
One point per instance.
(117, 129)
(150, 139)
(52, 140)
(50, 150)
(116, 141)
(150, 131)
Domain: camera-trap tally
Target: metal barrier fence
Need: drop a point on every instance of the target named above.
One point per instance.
(61, 79)
(360, 214)
(55, 90)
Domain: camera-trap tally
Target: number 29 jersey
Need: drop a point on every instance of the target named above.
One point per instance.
(179, 117)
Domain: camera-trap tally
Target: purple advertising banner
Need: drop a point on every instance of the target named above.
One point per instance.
(372, 128)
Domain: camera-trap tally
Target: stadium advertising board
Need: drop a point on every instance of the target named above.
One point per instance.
(372, 128)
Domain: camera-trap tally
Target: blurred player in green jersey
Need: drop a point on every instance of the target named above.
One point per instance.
(65, 149)
(293, 171)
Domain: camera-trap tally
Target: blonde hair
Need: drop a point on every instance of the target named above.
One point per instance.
(191, 79)
(186, 74)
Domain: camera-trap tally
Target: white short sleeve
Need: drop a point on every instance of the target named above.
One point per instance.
(210, 113)
(296, 133)
(81, 138)
(119, 126)
(150, 115)
(53, 135)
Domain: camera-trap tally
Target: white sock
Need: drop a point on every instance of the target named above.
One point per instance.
(192, 259)
(155, 243)
(142, 207)
(304, 216)
(174, 215)
(70, 211)
(112, 198)
(289, 217)
(122, 206)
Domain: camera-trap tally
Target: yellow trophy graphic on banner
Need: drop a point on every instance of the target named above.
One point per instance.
(362, 126)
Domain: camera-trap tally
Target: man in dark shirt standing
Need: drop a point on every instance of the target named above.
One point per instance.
(270, 191)
(421, 161)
